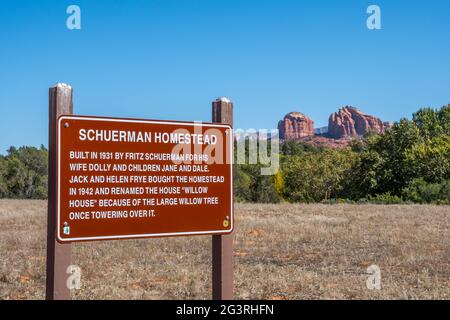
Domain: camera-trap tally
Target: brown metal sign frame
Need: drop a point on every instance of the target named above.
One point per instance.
(176, 124)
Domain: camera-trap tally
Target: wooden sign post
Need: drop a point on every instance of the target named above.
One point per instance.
(116, 178)
(58, 255)
(222, 245)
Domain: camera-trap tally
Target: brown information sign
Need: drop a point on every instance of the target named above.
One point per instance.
(125, 178)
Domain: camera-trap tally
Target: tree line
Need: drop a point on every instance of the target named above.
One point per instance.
(24, 173)
(408, 163)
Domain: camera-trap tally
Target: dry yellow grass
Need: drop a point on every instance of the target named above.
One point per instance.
(281, 252)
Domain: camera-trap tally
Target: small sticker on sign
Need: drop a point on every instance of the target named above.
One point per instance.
(66, 228)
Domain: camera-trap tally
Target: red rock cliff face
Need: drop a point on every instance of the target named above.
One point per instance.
(351, 122)
(295, 125)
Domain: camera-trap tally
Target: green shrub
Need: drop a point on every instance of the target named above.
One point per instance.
(251, 186)
(420, 191)
(386, 198)
(24, 173)
(314, 177)
(3, 185)
(337, 201)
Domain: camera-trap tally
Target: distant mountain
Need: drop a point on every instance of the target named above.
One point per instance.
(295, 125)
(343, 125)
(350, 122)
(321, 131)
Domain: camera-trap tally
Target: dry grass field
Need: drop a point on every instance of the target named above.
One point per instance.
(281, 252)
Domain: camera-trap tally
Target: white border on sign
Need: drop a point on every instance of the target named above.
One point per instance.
(150, 235)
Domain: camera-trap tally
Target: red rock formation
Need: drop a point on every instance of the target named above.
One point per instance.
(295, 125)
(350, 122)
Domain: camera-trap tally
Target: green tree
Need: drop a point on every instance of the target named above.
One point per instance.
(262, 187)
(16, 178)
(430, 160)
(26, 173)
(444, 118)
(420, 191)
(428, 122)
(242, 183)
(3, 185)
(296, 148)
(383, 166)
(314, 177)
(249, 184)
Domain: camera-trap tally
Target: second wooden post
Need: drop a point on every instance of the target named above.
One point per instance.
(222, 245)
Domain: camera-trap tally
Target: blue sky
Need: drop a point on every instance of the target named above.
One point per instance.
(169, 59)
